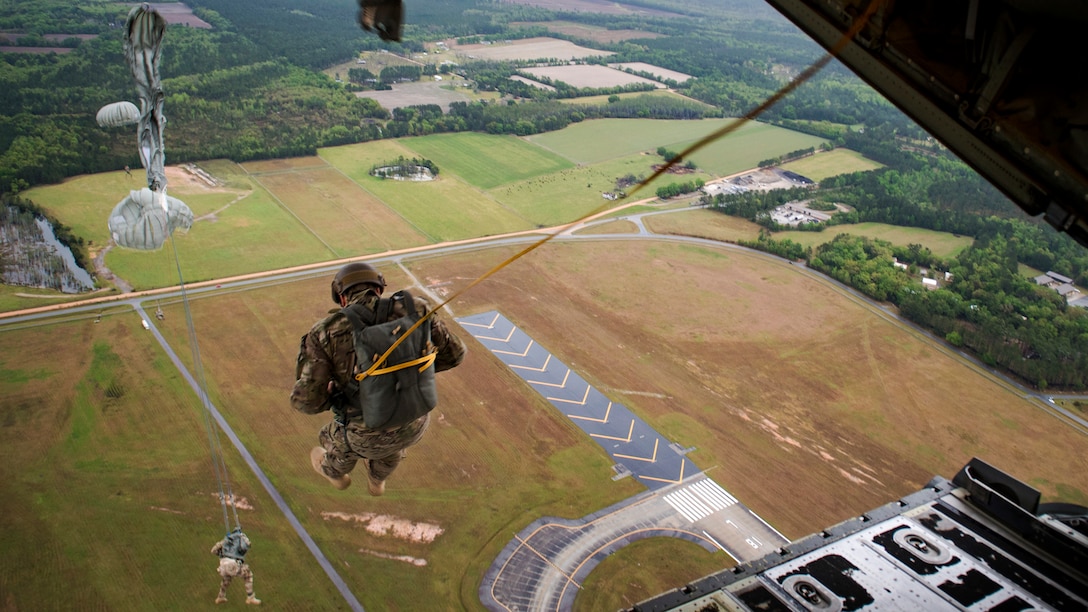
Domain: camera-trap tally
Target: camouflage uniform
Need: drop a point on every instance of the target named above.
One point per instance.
(326, 361)
(232, 565)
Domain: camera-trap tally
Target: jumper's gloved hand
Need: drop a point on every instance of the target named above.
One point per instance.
(383, 17)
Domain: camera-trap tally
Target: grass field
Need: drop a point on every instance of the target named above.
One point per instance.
(573, 193)
(602, 139)
(108, 487)
(831, 163)
(485, 160)
(703, 223)
(244, 229)
(603, 99)
(445, 209)
(770, 373)
(340, 213)
(943, 244)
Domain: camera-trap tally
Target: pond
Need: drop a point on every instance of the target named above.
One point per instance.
(31, 255)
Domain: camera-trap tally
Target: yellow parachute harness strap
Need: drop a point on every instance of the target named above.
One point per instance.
(788, 88)
(425, 360)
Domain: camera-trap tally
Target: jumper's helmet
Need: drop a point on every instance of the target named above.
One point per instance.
(356, 274)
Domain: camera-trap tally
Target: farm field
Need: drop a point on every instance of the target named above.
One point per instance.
(441, 93)
(771, 373)
(601, 139)
(445, 209)
(340, 213)
(661, 73)
(526, 49)
(826, 164)
(588, 75)
(239, 227)
(703, 223)
(603, 99)
(943, 244)
(485, 160)
(564, 196)
(589, 32)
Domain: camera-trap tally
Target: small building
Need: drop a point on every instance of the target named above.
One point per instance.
(1052, 279)
(930, 283)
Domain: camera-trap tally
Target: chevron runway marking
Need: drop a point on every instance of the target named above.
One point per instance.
(581, 402)
(607, 411)
(506, 339)
(652, 458)
(548, 384)
(677, 480)
(542, 368)
(630, 432)
(490, 325)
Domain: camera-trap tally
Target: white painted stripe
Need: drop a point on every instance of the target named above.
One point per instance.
(716, 496)
(679, 509)
(698, 508)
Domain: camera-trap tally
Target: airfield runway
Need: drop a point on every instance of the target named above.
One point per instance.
(543, 566)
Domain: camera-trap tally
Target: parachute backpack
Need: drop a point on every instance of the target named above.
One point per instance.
(401, 389)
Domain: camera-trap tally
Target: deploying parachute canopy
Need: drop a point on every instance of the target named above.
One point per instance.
(118, 114)
(144, 31)
(145, 219)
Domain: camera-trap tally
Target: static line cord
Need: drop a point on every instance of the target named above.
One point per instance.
(797, 81)
(226, 495)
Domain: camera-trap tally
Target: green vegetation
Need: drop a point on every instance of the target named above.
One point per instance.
(831, 163)
(942, 244)
(487, 161)
(988, 306)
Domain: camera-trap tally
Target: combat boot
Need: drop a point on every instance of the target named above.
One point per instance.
(252, 600)
(317, 455)
(375, 486)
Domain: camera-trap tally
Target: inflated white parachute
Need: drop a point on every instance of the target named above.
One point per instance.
(147, 217)
(118, 114)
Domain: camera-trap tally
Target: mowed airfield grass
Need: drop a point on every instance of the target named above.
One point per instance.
(802, 401)
(279, 213)
(602, 139)
(444, 209)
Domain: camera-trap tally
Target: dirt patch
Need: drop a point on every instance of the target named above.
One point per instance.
(385, 525)
(240, 503)
(405, 558)
(594, 6)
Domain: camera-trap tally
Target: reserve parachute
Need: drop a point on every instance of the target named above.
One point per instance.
(118, 114)
(147, 217)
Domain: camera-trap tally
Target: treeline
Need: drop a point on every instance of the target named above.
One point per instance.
(989, 307)
(674, 189)
(792, 155)
(529, 117)
(403, 166)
